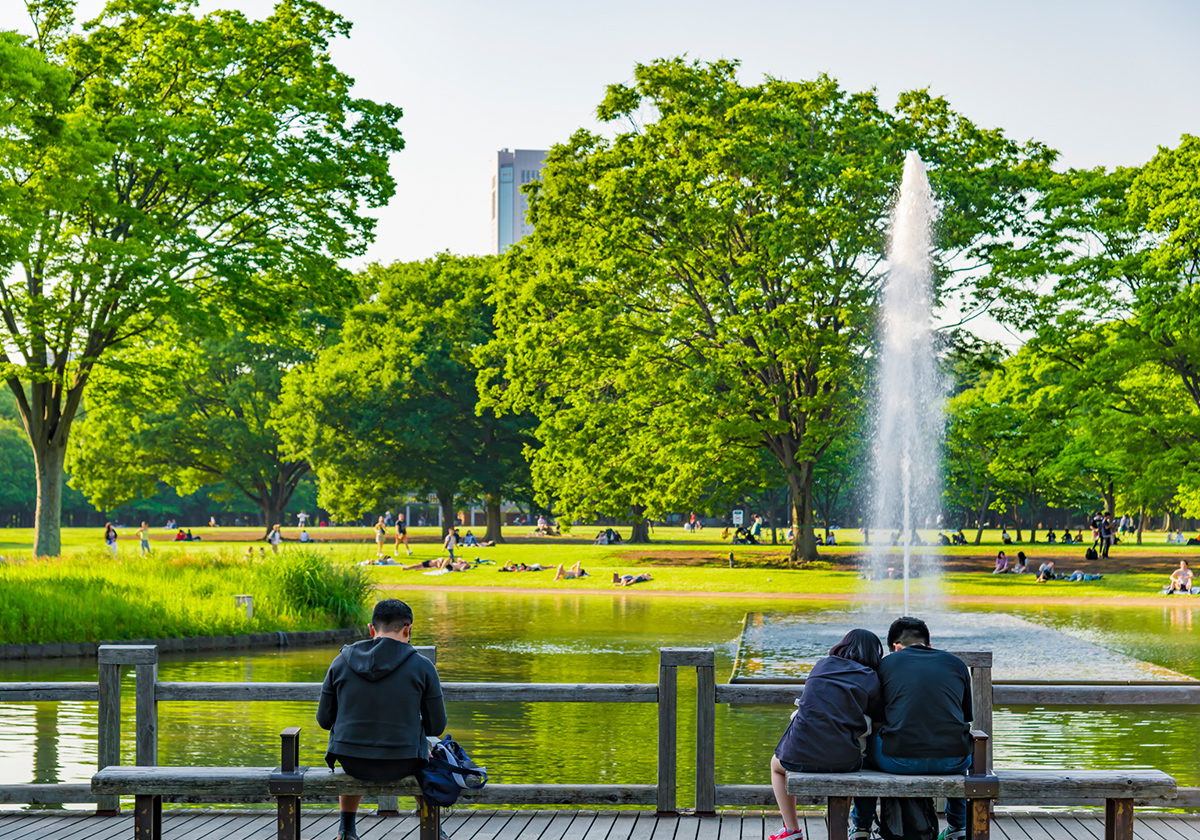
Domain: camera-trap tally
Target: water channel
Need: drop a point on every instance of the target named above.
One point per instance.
(567, 637)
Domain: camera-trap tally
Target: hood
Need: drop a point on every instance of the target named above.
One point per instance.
(374, 659)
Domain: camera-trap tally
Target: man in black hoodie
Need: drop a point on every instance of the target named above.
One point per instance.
(927, 719)
(379, 701)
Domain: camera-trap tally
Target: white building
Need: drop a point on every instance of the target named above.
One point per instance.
(510, 172)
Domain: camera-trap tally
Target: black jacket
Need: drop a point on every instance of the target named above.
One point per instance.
(927, 704)
(380, 699)
(826, 729)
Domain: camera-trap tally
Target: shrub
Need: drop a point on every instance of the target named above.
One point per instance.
(307, 580)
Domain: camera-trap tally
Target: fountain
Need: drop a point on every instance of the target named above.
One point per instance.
(910, 390)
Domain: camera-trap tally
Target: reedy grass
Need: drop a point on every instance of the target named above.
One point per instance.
(91, 596)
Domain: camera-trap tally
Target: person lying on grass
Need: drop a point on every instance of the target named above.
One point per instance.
(439, 563)
(572, 573)
(630, 580)
(521, 567)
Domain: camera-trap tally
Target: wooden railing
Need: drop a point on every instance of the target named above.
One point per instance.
(662, 794)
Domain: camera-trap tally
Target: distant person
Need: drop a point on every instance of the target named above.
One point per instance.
(1079, 575)
(304, 537)
(1107, 534)
(831, 539)
(630, 580)
(301, 519)
(1046, 572)
(190, 537)
(180, 536)
(756, 528)
(110, 538)
(841, 697)
(1004, 537)
(959, 538)
(572, 573)
(450, 542)
(380, 533)
(1001, 564)
(380, 701)
(144, 537)
(275, 537)
(1050, 537)
(402, 535)
(943, 539)
(1022, 565)
(1181, 580)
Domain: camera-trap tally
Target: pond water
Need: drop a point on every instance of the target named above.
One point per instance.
(614, 638)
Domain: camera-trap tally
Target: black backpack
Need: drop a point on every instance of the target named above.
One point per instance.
(448, 772)
(911, 818)
(1091, 554)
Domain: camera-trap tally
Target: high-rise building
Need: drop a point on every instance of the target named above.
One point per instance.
(510, 172)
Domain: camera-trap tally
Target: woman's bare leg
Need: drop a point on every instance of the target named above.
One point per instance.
(786, 803)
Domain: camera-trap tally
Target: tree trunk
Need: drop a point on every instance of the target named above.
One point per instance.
(639, 530)
(48, 458)
(804, 539)
(1109, 493)
(987, 489)
(446, 502)
(494, 519)
(1141, 522)
(1017, 522)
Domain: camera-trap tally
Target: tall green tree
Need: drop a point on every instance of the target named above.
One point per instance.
(193, 409)
(153, 161)
(392, 406)
(717, 260)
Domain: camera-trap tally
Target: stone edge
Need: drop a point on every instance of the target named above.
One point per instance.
(192, 644)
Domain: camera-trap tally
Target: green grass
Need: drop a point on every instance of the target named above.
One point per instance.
(89, 596)
(187, 589)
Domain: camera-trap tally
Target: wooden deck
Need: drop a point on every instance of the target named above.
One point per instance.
(541, 825)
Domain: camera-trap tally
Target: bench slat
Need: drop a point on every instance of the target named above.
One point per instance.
(320, 781)
(196, 781)
(1018, 782)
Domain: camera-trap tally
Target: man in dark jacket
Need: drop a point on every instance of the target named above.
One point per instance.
(379, 701)
(927, 713)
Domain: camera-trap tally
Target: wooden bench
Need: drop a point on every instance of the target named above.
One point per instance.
(1118, 788)
(286, 783)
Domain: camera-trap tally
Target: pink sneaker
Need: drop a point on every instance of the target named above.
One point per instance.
(787, 834)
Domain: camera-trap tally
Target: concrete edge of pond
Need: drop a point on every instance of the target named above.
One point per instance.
(190, 644)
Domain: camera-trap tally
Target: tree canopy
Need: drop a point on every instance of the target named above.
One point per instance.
(392, 406)
(704, 280)
(154, 160)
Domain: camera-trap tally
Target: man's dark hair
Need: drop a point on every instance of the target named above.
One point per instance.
(862, 646)
(391, 616)
(908, 631)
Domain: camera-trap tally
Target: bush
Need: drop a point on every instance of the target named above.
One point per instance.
(310, 581)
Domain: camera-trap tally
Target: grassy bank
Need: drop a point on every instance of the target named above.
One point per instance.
(90, 596)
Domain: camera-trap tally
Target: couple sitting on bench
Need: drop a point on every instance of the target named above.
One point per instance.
(921, 695)
(379, 701)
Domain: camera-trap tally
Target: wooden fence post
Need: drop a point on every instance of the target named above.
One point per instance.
(706, 736)
(668, 721)
(146, 703)
(981, 700)
(108, 735)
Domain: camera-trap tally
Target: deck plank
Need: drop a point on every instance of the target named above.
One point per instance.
(707, 828)
(1167, 828)
(814, 826)
(753, 823)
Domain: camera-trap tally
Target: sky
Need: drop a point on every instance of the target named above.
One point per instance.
(1104, 83)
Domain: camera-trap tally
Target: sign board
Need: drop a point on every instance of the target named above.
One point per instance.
(739, 517)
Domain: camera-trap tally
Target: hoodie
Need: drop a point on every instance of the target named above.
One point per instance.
(838, 695)
(379, 700)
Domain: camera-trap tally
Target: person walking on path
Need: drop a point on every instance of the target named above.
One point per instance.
(402, 535)
(276, 537)
(1107, 533)
(144, 536)
(380, 533)
(449, 543)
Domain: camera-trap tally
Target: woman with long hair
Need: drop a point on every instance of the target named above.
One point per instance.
(840, 695)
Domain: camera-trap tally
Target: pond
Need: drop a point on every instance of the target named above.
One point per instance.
(608, 637)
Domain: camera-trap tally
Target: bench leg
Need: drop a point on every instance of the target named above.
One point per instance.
(1118, 819)
(838, 817)
(288, 810)
(979, 816)
(431, 819)
(147, 817)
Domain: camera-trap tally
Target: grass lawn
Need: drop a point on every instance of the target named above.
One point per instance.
(679, 561)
